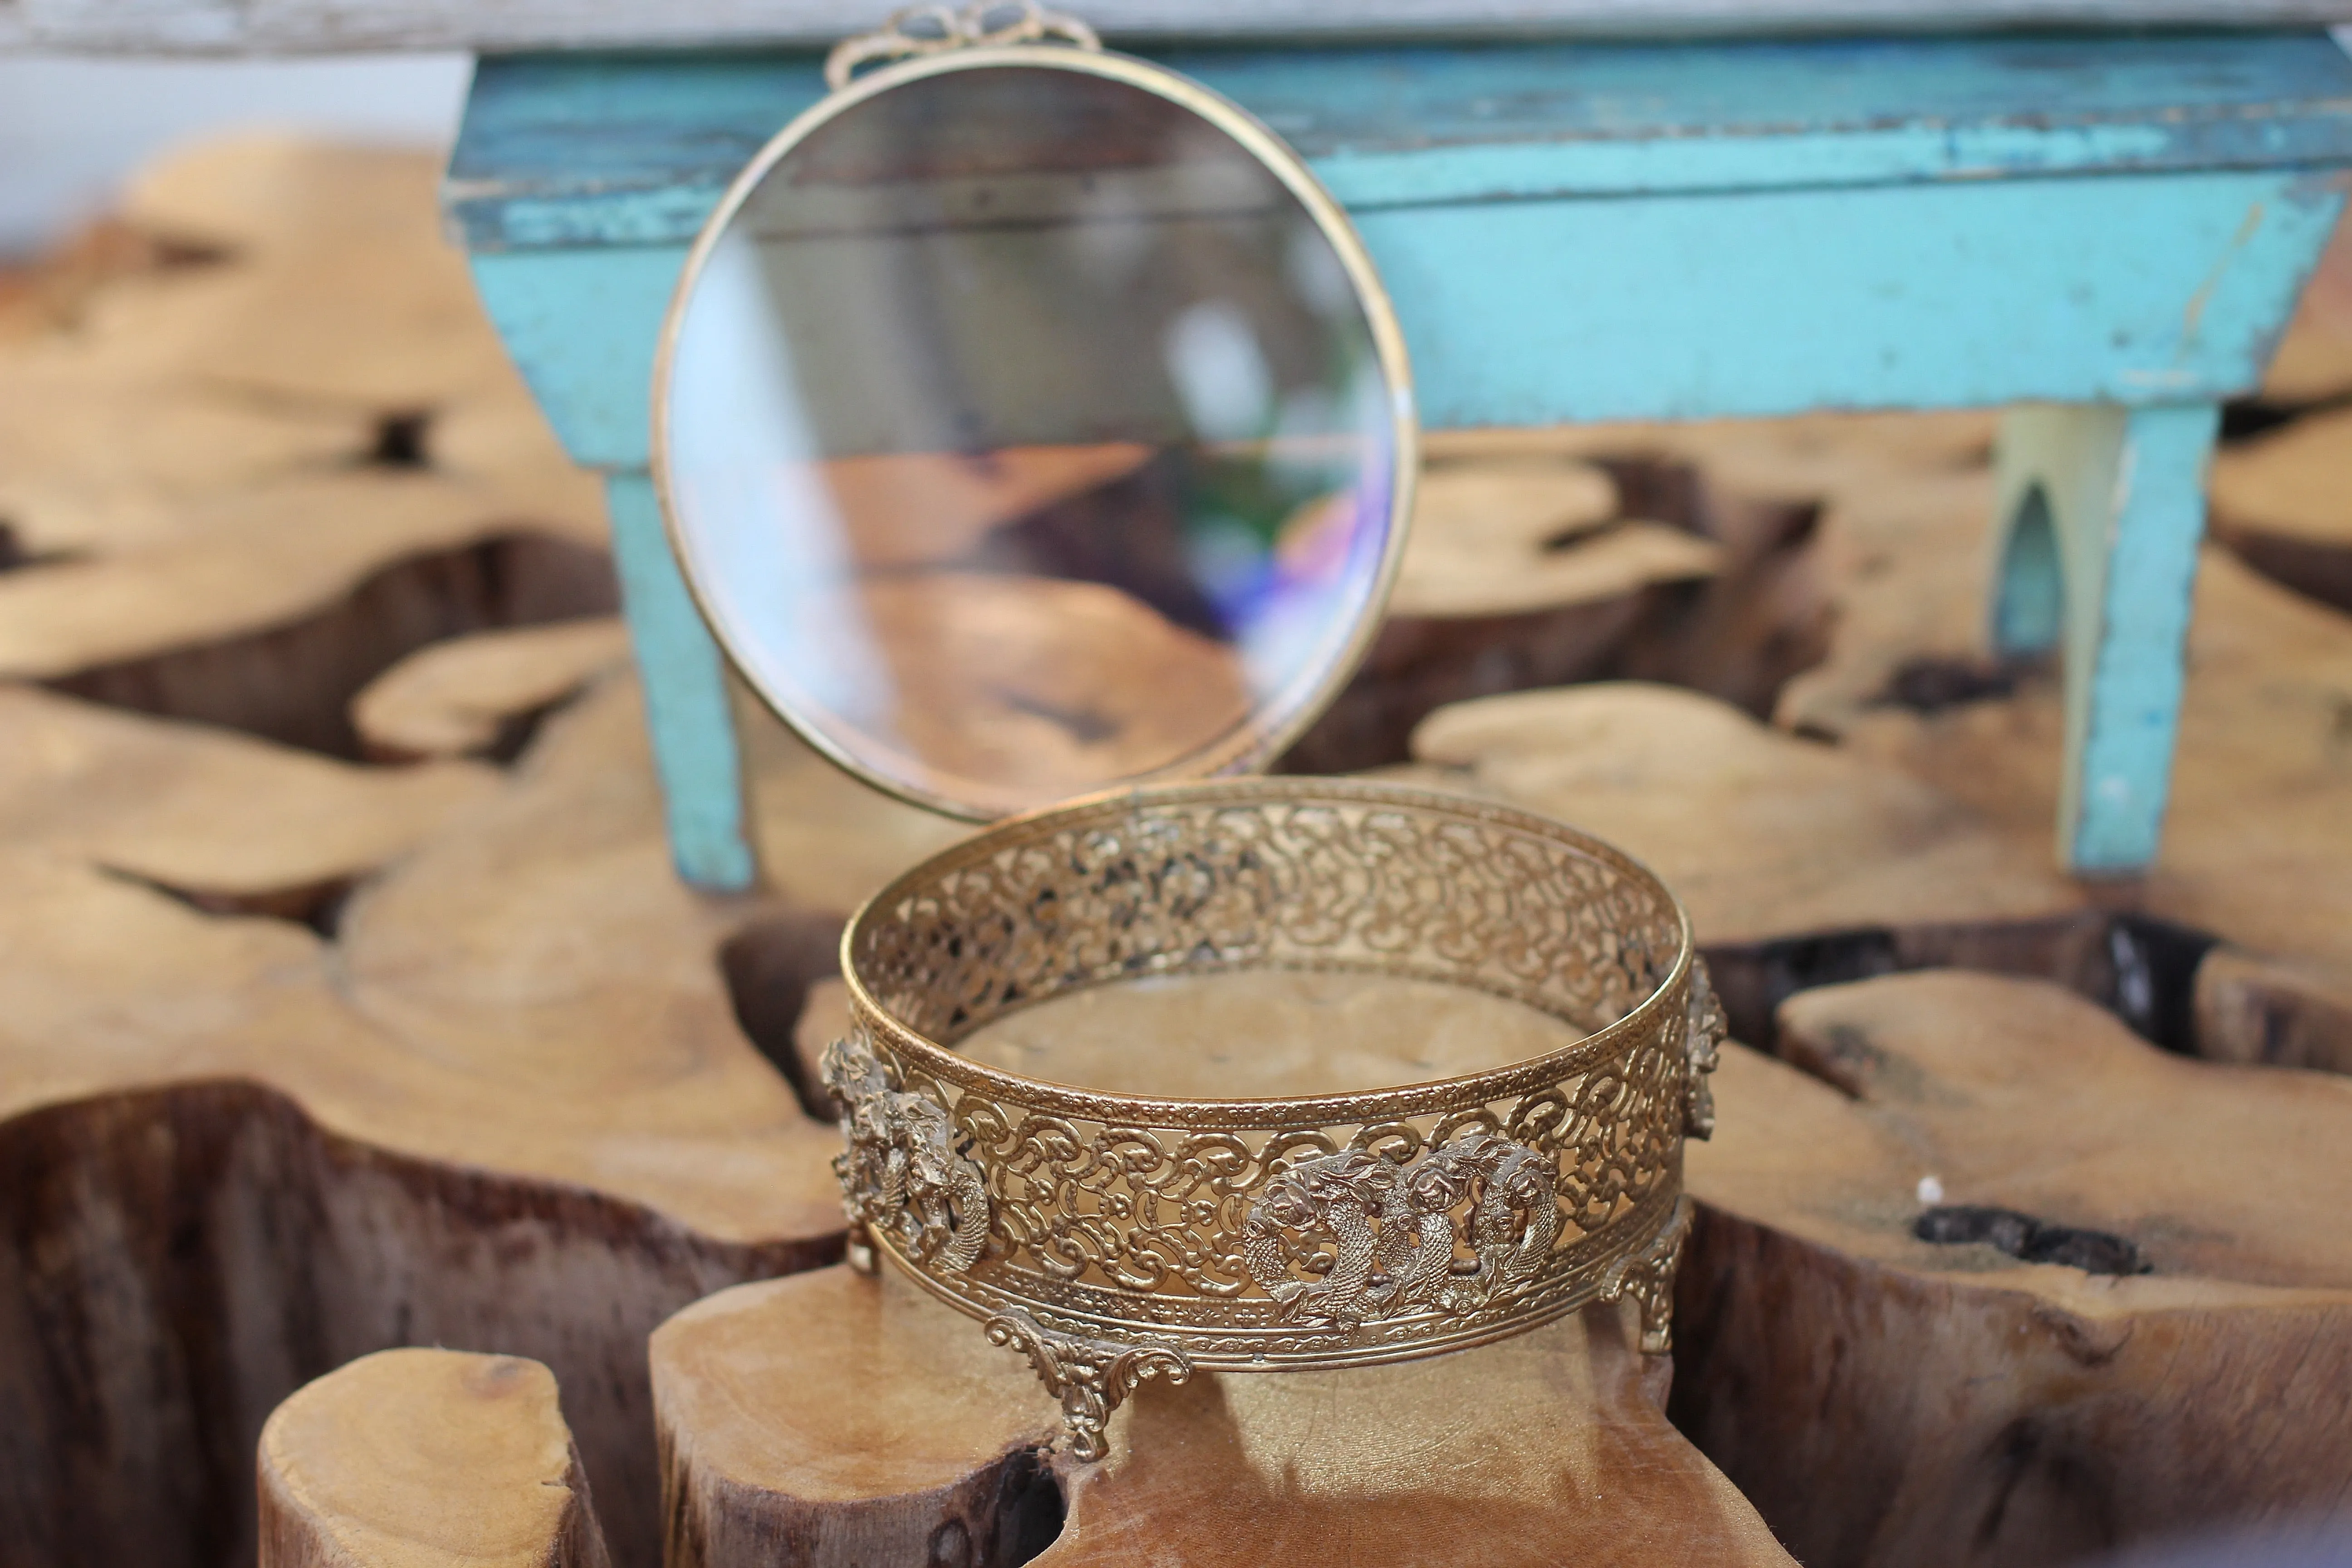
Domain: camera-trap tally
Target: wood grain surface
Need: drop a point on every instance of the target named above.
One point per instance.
(479, 695)
(2280, 504)
(280, 452)
(305, 1057)
(842, 1420)
(1536, 560)
(2059, 1291)
(408, 1458)
(278, 1091)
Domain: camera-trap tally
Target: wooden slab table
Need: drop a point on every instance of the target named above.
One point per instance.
(2105, 232)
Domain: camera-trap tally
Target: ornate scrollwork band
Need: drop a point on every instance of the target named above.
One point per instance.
(1113, 1237)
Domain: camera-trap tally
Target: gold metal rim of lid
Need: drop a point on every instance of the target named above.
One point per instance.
(1061, 43)
(1111, 1238)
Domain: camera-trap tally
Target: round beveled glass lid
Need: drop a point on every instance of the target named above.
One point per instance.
(1029, 422)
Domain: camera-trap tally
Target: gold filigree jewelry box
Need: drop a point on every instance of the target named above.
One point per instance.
(1112, 1237)
(1032, 429)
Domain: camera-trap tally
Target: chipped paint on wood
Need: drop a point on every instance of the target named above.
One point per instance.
(2124, 491)
(636, 149)
(694, 749)
(1682, 307)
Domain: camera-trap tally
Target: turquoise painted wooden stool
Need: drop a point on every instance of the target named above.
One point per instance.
(2105, 233)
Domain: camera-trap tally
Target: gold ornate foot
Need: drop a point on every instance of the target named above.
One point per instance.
(1089, 1377)
(857, 1251)
(1648, 1277)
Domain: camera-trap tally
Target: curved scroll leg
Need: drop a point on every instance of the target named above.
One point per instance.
(1091, 1378)
(2101, 508)
(1648, 1277)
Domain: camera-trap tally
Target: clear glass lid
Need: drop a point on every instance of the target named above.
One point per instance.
(1029, 422)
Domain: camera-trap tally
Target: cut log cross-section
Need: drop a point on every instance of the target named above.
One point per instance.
(1993, 1281)
(831, 1420)
(242, 485)
(410, 1458)
(530, 940)
(234, 1154)
(1540, 557)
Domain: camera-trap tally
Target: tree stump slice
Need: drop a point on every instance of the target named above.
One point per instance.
(831, 1419)
(238, 1154)
(1540, 558)
(1503, 536)
(2032, 1397)
(305, 231)
(2256, 848)
(480, 696)
(226, 496)
(2313, 362)
(1799, 863)
(418, 1458)
(226, 824)
(2279, 502)
(845, 1421)
(2270, 1012)
(1760, 835)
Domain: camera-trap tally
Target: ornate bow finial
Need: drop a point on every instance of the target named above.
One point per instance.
(935, 29)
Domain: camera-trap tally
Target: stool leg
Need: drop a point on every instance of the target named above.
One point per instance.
(695, 752)
(2100, 509)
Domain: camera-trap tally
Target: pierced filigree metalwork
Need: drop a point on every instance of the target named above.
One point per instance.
(1309, 1232)
(919, 30)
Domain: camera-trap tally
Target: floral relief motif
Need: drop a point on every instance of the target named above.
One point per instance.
(1398, 1230)
(1704, 1030)
(899, 1169)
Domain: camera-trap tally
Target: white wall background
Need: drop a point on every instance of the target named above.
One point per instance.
(70, 128)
